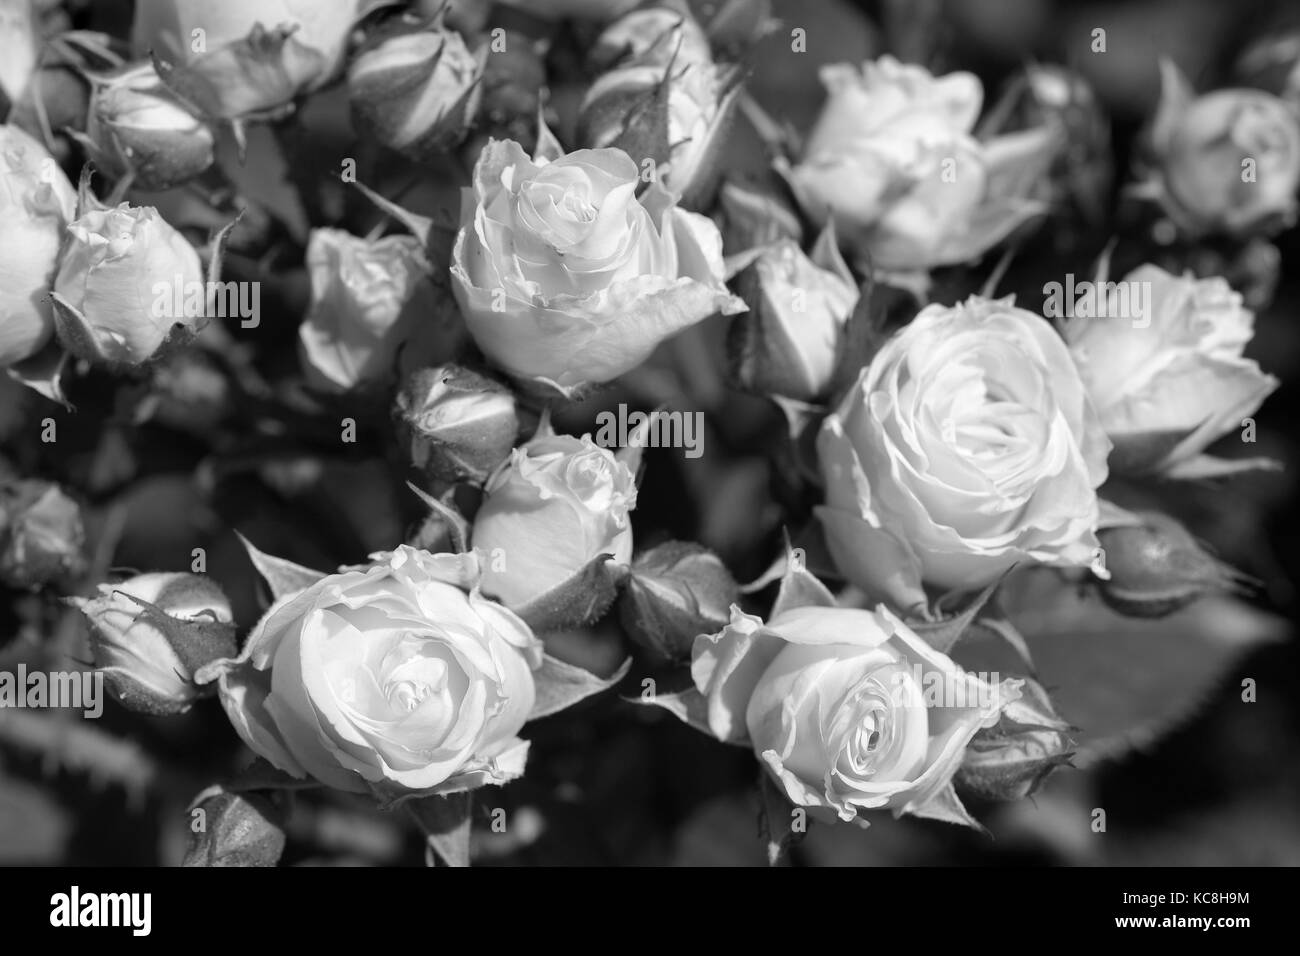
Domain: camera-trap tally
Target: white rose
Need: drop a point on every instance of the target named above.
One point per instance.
(566, 277)
(1168, 386)
(966, 446)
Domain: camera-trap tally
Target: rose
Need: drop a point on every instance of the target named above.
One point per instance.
(368, 298)
(416, 91)
(789, 341)
(151, 632)
(248, 56)
(566, 277)
(36, 203)
(460, 425)
(136, 124)
(1227, 162)
(398, 675)
(966, 446)
(848, 709)
(557, 504)
(116, 287)
(1167, 387)
(42, 537)
(892, 160)
(599, 10)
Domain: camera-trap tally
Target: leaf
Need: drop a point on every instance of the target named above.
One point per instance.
(1208, 466)
(944, 633)
(457, 526)
(1122, 682)
(43, 373)
(775, 805)
(560, 685)
(262, 775)
(281, 576)
(689, 706)
(799, 588)
(445, 822)
(947, 807)
(419, 226)
(580, 600)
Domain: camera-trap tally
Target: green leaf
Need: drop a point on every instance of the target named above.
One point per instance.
(281, 576)
(445, 822)
(560, 685)
(1122, 682)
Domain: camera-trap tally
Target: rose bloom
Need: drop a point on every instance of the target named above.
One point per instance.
(36, 203)
(966, 446)
(368, 298)
(564, 275)
(848, 709)
(1227, 162)
(558, 503)
(397, 674)
(892, 159)
(243, 66)
(118, 266)
(1169, 385)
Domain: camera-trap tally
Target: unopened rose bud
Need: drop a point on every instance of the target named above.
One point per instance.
(676, 120)
(462, 425)
(122, 273)
(788, 342)
(551, 510)
(417, 91)
(368, 299)
(1227, 162)
(653, 36)
(1011, 759)
(751, 218)
(1056, 98)
(234, 829)
(513, 80)
(19, 45)
(41, 535)
(151, 633)
(36, 204)
(1157, 567)
(675, 592)
(137, 125)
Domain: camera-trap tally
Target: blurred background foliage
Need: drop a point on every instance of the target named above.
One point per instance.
(610, 782)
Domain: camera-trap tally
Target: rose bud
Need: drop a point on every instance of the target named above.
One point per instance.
(751, 218)
(653, 36)
(1272, 63)
(416, 92)
(247, 57)
(19, 45)
(892, 160)
(677, 120)
(239, 829)
(555, 507)
(674, 593)
(1011, 759)
(395, 677)
(461, 425)
(967, 445)
(115, 293)
(41, 535)
(36, 204)
(1226, 162)
(1168, 378)
(149, 635)
(513, 80)
(369, 297)
(788, 342)
(137, 125)
(848, 710)
(1157, 567)
(567, 278)
(190, 391)
(1048, 96)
